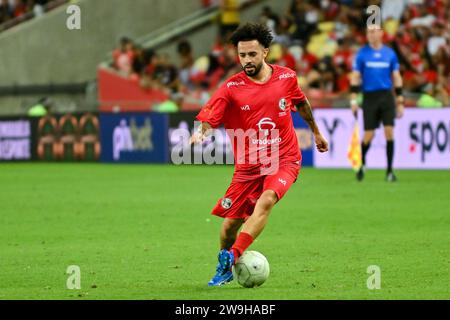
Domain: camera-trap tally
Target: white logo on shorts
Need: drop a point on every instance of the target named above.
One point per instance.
(283, 182)
(226, 203)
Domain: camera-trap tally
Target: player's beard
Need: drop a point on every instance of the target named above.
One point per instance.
(255, 71)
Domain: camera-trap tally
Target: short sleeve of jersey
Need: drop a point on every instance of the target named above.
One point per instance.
(395, 66)
(358, 62)
(214, 112)
(297, 94)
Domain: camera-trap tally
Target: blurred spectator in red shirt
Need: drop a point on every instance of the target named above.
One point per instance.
(123, 57)
(286, 59)
(342, 84)
(20, 8)
(330, 9)
(344, 54)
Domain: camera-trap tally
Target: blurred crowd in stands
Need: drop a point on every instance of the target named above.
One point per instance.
(318, 39)
(13, 12)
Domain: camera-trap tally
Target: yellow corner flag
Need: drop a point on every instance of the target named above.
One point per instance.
(354, 149)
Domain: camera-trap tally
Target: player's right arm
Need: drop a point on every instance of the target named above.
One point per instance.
(212, 115)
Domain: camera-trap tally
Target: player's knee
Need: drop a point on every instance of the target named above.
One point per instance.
(268, 200)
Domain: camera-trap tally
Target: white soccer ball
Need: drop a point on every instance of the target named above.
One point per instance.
(251, 270)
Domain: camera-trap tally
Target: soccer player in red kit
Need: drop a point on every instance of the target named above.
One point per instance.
(255, 107)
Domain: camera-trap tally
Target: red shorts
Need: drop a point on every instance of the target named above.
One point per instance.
(240, 199)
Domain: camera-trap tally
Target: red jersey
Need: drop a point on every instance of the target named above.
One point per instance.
(240, 103)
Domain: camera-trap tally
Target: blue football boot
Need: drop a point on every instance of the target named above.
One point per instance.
(223, 271)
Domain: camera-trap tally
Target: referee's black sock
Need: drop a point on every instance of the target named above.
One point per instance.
(364, 149)
(390, 154)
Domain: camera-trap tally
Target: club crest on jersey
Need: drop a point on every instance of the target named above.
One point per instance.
(226, 203)
(282, 104)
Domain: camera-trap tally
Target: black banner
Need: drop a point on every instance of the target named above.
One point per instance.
(239, 309)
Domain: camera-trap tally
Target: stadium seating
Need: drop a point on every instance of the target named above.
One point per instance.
(316, 39)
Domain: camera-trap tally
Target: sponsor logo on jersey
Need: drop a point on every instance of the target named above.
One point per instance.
(264, 123)
(287, 76)
(266, 141)
(226, 203)
(235, 83)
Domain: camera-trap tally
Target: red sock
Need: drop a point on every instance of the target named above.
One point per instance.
(243, 241)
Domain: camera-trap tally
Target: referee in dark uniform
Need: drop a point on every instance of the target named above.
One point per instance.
(376, 70)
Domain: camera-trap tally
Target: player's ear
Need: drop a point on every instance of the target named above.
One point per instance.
(265, 52)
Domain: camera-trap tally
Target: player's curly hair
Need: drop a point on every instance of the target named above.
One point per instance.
(252, 31)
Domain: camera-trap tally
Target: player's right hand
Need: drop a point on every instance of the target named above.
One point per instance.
(197, 138)
(202, 132)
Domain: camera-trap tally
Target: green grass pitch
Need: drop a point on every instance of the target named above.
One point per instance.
(145, 232)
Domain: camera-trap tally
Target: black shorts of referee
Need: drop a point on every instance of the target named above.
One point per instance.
(378, 106)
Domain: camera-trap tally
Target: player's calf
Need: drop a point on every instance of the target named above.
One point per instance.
(228, 233)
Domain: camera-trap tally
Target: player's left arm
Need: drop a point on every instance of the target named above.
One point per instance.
(305, 111)
(398, 85)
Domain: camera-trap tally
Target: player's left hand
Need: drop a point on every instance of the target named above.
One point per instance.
(321, 143)
(400, 110)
